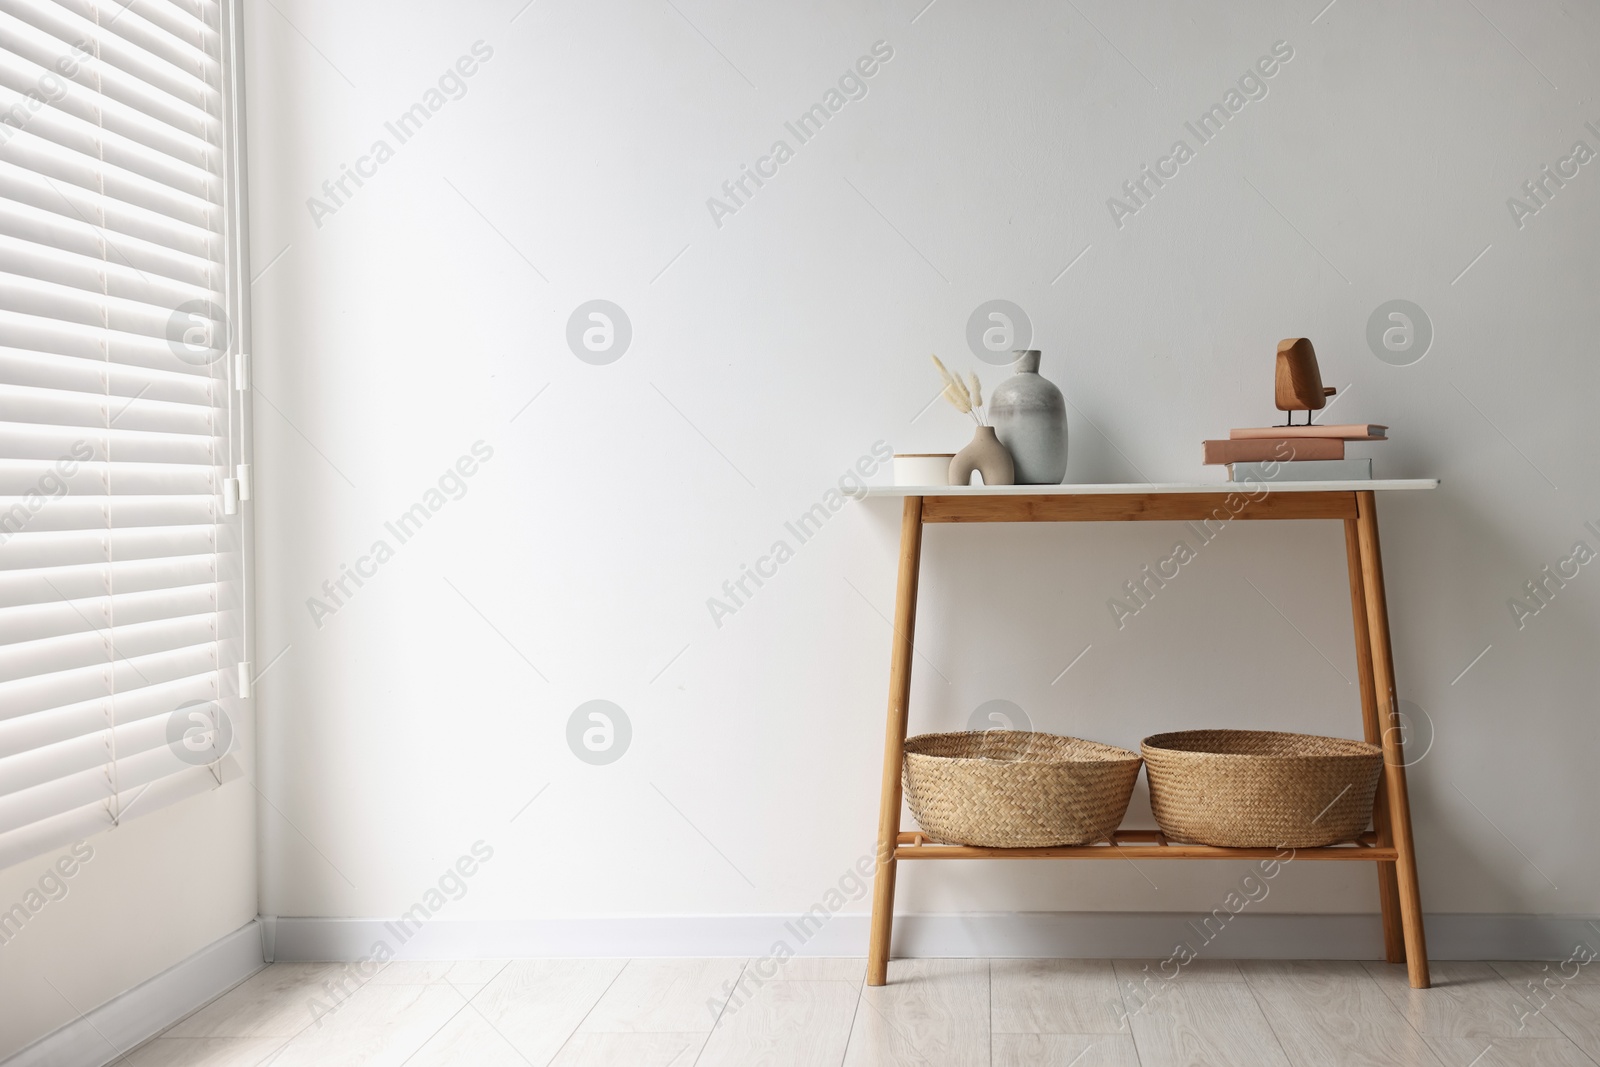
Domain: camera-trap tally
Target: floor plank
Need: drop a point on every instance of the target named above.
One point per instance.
(274, 1002)
(1216, 1024)
(1331, 1013)
(1141, 972)
(1509, 1052)
(440, 972)
(784, 1024)
(633, 1050)
(1065, 1050)
(524, 1015)
(379, 1026)
(932, 1012)
(662, 996)
(1055, 997)
(1144, 982)
(1468, 1000)
(1576, 1013)
(1567, 995)
(1569, 972)
(470, 1038)
(203, 1052)
(823, 969)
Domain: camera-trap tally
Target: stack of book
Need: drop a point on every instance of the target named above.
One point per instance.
(1293, 453)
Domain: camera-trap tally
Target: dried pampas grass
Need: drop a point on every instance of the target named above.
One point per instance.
(966, 397)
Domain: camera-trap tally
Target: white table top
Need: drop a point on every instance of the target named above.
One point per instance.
(1109, 488)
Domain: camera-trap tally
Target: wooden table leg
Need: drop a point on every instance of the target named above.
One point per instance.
(894, 739)
(1394, 768)
(1394, 945)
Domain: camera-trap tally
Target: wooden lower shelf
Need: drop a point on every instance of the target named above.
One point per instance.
(1137, 844)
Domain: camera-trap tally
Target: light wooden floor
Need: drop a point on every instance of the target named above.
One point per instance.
(680, 1012)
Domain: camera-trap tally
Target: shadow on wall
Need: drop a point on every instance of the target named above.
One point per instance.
(1489, 719)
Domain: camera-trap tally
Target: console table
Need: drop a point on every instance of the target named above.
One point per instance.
(1355, 502)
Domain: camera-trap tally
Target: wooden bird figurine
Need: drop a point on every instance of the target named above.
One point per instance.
(1298, 382)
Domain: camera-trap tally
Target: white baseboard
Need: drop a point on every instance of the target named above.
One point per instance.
(1023, 934)
(115, 1027)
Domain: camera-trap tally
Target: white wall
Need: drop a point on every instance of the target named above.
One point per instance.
(141, 898)
(414, 321)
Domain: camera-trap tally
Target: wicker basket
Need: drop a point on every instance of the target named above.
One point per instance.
(1015, 789)
(1260, 789)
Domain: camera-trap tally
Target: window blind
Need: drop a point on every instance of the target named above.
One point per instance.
(121, 595)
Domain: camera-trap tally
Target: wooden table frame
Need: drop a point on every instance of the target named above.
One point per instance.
(1389, 845)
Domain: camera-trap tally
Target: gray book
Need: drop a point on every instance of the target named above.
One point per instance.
(1301, 470)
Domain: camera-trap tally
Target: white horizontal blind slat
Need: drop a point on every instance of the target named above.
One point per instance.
(43, 335)
(79, 408)
(74, 124)
(19, 588)
(63, 444)
(24, 734)
(41, 201)
(32, 548)
(21, 626)
(44, 79)
(48, 692)
(59, 831)
(118, 565)
(141, 756)
(73, 58)
(157, 64)
(66, 225)
(88, 663)
(73, 176)
(57, 515)
(17, 479)
(47, 370)
(93, 309)
(131, 735)
(53, 63)
(120, 281)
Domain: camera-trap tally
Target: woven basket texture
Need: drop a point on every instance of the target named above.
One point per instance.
(1017, 789)
(1260, 789)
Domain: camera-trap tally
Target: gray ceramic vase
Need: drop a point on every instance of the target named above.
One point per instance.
(986, 455)
(1029, 415)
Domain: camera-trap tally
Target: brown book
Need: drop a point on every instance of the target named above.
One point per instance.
(1266, 450)
(1351, 432)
